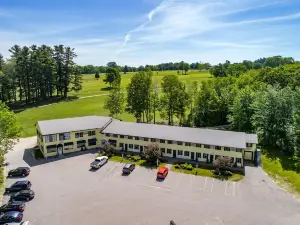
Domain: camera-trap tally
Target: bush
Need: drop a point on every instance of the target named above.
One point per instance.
(135, 158)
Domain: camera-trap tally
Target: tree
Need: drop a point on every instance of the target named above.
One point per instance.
(273, 117)
(97, 76)
(112, 64)
(222, 163)
(9, 130)
(152, 153)
(108, 149)
(218, 71)
(241, 111)
(192, 91)
(186, 68)
(115, 102)
(155, 103)
(236, 69)
(138, 95)
(174, 100)
(125, 69)
(182, 66)
(112, 77)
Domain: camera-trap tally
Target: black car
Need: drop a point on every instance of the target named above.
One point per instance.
(13, 206)
(128, 168)
(20, 171)
(25, 195)
(19, 186)
(10, 217)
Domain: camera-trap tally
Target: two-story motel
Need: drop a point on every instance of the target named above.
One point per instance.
(62, 136)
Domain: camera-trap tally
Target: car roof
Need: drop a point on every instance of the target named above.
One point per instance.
(162, 169)
(25, 192)
(12, 213)
(101, 157)
(22, 182)
(127, 165)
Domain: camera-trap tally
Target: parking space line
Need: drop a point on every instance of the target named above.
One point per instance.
(204, 189)
(233, 189)
(179, 179)
(226, 186)
(212, 185)
(220, 221)
(192, 180)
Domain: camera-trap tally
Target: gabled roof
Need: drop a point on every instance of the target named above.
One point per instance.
(73, 124)
(175, 133)
(251, 138)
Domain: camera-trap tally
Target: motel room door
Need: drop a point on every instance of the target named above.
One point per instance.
(192, 155)
(126, 147)
(174, 153)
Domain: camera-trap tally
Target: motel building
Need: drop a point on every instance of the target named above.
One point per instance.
(63, 136)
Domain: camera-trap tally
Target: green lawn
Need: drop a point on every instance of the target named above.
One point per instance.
(92, 86)
(88, 106)
(206, 173)
(280, 168)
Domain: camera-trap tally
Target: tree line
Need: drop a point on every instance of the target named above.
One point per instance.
(264, 101)
(38, 73)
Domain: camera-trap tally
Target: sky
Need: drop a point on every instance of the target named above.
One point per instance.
(139, 32)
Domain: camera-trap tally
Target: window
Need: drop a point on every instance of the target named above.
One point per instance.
(68, 146)
(170, 142)
(204, 155)
(238, 160)
(130, 146)
(115, 135)
(136, 138)
(107, 135)
(162, 141)
(77, 135)
(112, 142)
(217, 156)
(239, 150)
(169, 151)
(218, 147)
(198, 155)
(146, 139)
(50, 138)
(187, 144)
(206, 146)
(121, 145)
(163, 150)
(153, 140)
(130, 137)
(67, 136)
(92, 142)
(249, 144)
(121, 136)
(136, 147)
(61, 137)
(179, 143)
(92, 133)
(226, 149)
(198, 145)
(81, 143)
(51, 149)
(180, 152)
(186, 153)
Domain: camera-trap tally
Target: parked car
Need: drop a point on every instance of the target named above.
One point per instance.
(162, 172)
(13, 206)
(99, 161)
(19, 186)
(128, 168)
(12, 216)
(20, 171)
(25, 195)
(18, 223)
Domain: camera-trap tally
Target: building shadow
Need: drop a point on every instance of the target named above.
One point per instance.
(28, 156)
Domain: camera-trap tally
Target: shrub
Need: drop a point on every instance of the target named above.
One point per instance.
(136, 158)
(128, 156)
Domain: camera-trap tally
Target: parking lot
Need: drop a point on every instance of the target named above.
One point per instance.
(69, 192)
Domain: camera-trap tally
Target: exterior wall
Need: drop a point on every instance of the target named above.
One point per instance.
(248, 150)
(73, 139)
(191, 149)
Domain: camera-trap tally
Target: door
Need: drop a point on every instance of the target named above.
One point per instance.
(126, 147)
(211, 158)
(174, 153)
(192, 155)
(59, 150)
(141, 148)
(248, 155)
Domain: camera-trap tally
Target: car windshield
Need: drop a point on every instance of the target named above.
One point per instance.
(97, 160)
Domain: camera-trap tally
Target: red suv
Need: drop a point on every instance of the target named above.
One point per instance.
(162, 172)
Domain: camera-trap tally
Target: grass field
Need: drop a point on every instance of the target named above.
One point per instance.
(88, 106)
(279, 167)
(92, 86)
